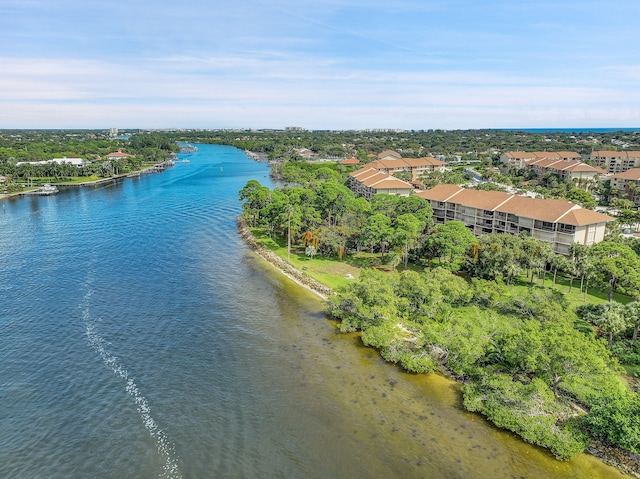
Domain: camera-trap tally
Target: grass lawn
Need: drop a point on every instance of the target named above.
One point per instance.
(573, 294)
(333, 271)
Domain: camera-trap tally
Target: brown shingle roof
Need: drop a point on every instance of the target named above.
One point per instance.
(616, 154)
(536, 208)
(363, 172)
(488, 200)
(350, 161)
(550, 210)
(391, 153)
(583, 216)
(388, 182)
(440, 192)
(406, 163)
(424, 161)
(555, 155)
(564, 165)
(632, 174)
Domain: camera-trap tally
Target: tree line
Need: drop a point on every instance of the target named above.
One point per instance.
(38, 146)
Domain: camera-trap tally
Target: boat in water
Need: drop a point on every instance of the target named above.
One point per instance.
(45, 189)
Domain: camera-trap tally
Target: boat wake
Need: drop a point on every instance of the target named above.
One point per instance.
(164, 445)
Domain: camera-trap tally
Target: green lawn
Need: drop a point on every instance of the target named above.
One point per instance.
(332, 271)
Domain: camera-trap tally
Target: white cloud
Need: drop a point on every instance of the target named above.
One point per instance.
(273, 88)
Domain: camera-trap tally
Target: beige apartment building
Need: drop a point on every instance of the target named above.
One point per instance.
(376, 177)
(568, 170)
(557, 222)
(616, 161)
(628, 183)
(518, 159)
(565, 164)
(368, 182)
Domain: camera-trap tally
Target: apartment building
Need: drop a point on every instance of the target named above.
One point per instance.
(517, 159)
(628, 183)
(568, 170)
(557, 222)
(368, 182)
(616, 161)
(391, 162)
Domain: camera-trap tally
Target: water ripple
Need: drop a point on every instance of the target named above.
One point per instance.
(164, 446)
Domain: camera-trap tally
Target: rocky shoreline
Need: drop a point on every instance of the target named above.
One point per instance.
(272, 258)
(625, 461)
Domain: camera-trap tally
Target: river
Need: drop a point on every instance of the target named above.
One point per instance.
(140, 338)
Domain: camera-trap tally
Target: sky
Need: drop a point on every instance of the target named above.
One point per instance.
(319, 64)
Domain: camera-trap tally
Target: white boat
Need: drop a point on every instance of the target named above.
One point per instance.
(45, 189)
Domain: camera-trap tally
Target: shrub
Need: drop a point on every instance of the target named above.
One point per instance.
(529, 410)
(616, 417)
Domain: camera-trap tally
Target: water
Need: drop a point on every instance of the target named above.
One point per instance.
(140, 338)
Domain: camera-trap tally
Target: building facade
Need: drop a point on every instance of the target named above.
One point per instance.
(628, 183)
(616, 161)
(368, 182)
(560, 223)
(518, 159)
(390, 162)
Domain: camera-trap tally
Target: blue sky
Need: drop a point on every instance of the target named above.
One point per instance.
(331, 64)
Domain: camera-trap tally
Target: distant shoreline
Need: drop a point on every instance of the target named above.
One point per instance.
(99, 181)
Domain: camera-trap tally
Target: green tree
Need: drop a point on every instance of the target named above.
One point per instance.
(378, 231)
(612, 320)
(407, 232)
(254, 197)
(450, 240)
(615, 267)
(368, 302)
(633, 316)
(582, 198)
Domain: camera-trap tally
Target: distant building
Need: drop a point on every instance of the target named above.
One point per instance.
(368, 182)
(568, 170)
(567, 165)
(616, 161)
(118, 155)
(628, 183)
(518, 159)
(350, 161)
(74, 161)
(416, 166)
(560, 223)
(304, 152)
(294, 128)
(113, 132)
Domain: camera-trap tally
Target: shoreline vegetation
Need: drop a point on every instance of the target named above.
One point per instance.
(30, 159)
(132, 174)
(528, 358)
(625, 461)
(285, 268)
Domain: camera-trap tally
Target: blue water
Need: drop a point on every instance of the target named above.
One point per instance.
(140, 338)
